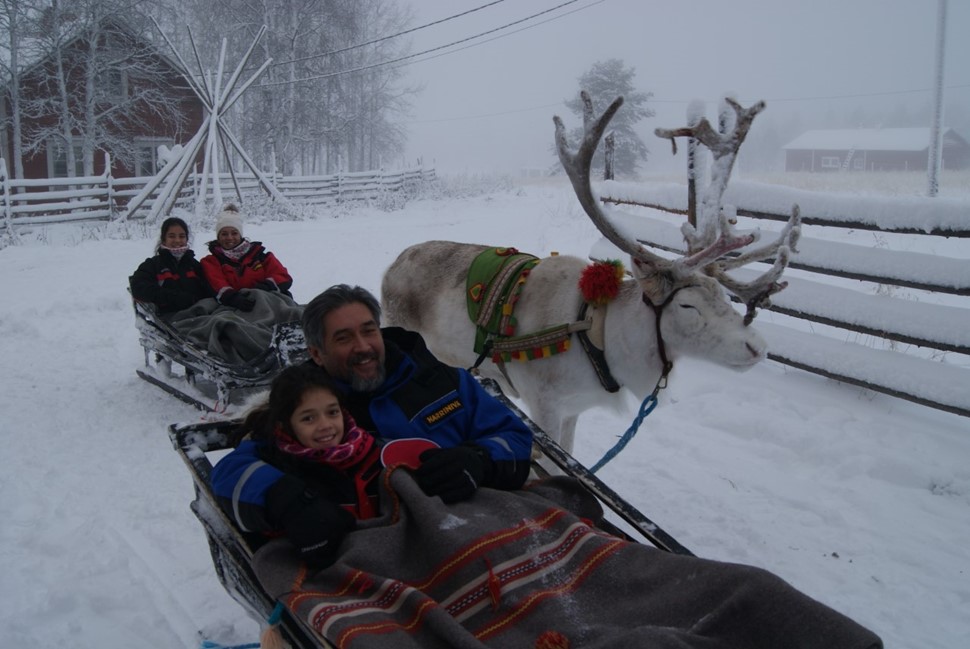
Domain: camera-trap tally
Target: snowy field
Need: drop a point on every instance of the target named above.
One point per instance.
(860, 500)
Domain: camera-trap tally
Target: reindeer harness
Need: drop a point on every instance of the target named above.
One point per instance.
(494, 284)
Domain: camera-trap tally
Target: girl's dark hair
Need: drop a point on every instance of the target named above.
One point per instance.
(285, 396)
(168, 223)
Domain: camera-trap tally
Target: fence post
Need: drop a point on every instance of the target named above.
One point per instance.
(609, 152)
(7, 213)
(109, 186)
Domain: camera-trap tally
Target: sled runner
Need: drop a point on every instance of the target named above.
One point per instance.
(198, 377)
(232, 550)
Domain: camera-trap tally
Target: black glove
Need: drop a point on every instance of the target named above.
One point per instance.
(453, 473)
(238, 300)
(314, 525)
(267, 285)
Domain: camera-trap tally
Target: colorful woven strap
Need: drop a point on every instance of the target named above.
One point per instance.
(494, 283)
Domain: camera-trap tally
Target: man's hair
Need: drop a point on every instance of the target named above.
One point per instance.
(333, 298)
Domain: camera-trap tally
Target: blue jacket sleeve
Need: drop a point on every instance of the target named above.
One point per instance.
(240, 481)
(495, 427)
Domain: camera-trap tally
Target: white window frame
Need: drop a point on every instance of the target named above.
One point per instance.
(56, 154)
(830, 162)
(113, 84)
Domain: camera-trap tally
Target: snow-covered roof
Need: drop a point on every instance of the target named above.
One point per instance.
(34, 50)
(865, 139)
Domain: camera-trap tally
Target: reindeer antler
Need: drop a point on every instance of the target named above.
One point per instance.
(662, 274)
(717, 221)
(757, 292)
(724, 148)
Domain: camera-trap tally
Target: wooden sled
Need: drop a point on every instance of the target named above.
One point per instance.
(232, 551)
(198, 377)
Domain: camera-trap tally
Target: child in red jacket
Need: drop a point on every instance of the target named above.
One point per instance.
(236, 263)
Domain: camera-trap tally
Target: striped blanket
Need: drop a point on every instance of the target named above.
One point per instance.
(527, 569)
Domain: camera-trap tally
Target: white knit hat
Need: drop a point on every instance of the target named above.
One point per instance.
(229, 217)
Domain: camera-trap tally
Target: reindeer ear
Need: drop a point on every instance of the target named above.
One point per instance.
(655, 283)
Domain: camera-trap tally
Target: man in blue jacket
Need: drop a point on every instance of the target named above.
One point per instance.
(394, 388)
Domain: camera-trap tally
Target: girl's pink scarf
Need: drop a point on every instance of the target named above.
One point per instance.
(354, 447)
(238, 252)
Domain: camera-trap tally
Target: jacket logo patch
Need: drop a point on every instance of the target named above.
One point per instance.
(443, 411)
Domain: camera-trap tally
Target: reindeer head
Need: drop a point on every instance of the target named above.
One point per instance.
(709, 244)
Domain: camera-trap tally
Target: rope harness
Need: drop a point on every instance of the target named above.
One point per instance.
(651, 401)
(492, 296)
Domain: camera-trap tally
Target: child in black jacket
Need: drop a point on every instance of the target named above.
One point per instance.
(172, 280)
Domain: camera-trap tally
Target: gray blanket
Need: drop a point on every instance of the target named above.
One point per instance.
(233, 336)
(516, 570)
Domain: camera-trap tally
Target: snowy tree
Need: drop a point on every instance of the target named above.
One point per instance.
(325, 103)
(605, 81)
(15, 18)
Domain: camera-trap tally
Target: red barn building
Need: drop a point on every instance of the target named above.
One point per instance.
(872, 149)
(173, 117)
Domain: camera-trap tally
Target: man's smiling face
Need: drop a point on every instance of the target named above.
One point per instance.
(353, 348)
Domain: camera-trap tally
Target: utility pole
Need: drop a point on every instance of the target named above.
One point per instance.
(936, 131)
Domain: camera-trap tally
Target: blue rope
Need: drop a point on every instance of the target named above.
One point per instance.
(645, 408)
(274, 617)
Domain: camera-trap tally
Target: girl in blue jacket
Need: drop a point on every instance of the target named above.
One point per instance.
(319, 469)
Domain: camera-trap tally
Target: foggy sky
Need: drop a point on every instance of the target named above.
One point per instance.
(489, 107)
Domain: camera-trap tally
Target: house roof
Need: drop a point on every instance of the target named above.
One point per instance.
(34, 50)
(867, 139)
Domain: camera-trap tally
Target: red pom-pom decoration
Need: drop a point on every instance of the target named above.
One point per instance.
(600, 282)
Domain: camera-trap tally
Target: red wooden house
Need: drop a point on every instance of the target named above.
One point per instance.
(872, 149)
(159, 106)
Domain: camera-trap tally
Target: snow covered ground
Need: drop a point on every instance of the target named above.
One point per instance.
(860, 500)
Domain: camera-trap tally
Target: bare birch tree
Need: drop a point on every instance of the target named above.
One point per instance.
(15, 17)
(324, 104)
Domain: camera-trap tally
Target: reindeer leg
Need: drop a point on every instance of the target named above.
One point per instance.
(567, 432)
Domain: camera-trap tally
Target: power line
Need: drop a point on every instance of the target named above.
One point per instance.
(384, 38)
(411, 56)
(856, 96)
(495, 38)
(674, 101)
(505, 112)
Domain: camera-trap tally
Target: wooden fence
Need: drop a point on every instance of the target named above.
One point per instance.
(919, 348)
(103, 198)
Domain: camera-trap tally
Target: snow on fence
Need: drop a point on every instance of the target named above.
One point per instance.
(916, 319)
(103, 198)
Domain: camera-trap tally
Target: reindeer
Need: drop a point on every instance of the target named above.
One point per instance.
(669, 307)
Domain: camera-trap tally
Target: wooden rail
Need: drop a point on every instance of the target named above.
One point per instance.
(103, 198)
(826, 285)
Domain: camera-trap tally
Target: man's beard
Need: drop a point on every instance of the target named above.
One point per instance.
(361, 384)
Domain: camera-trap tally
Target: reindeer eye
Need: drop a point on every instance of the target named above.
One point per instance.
(687, 306)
